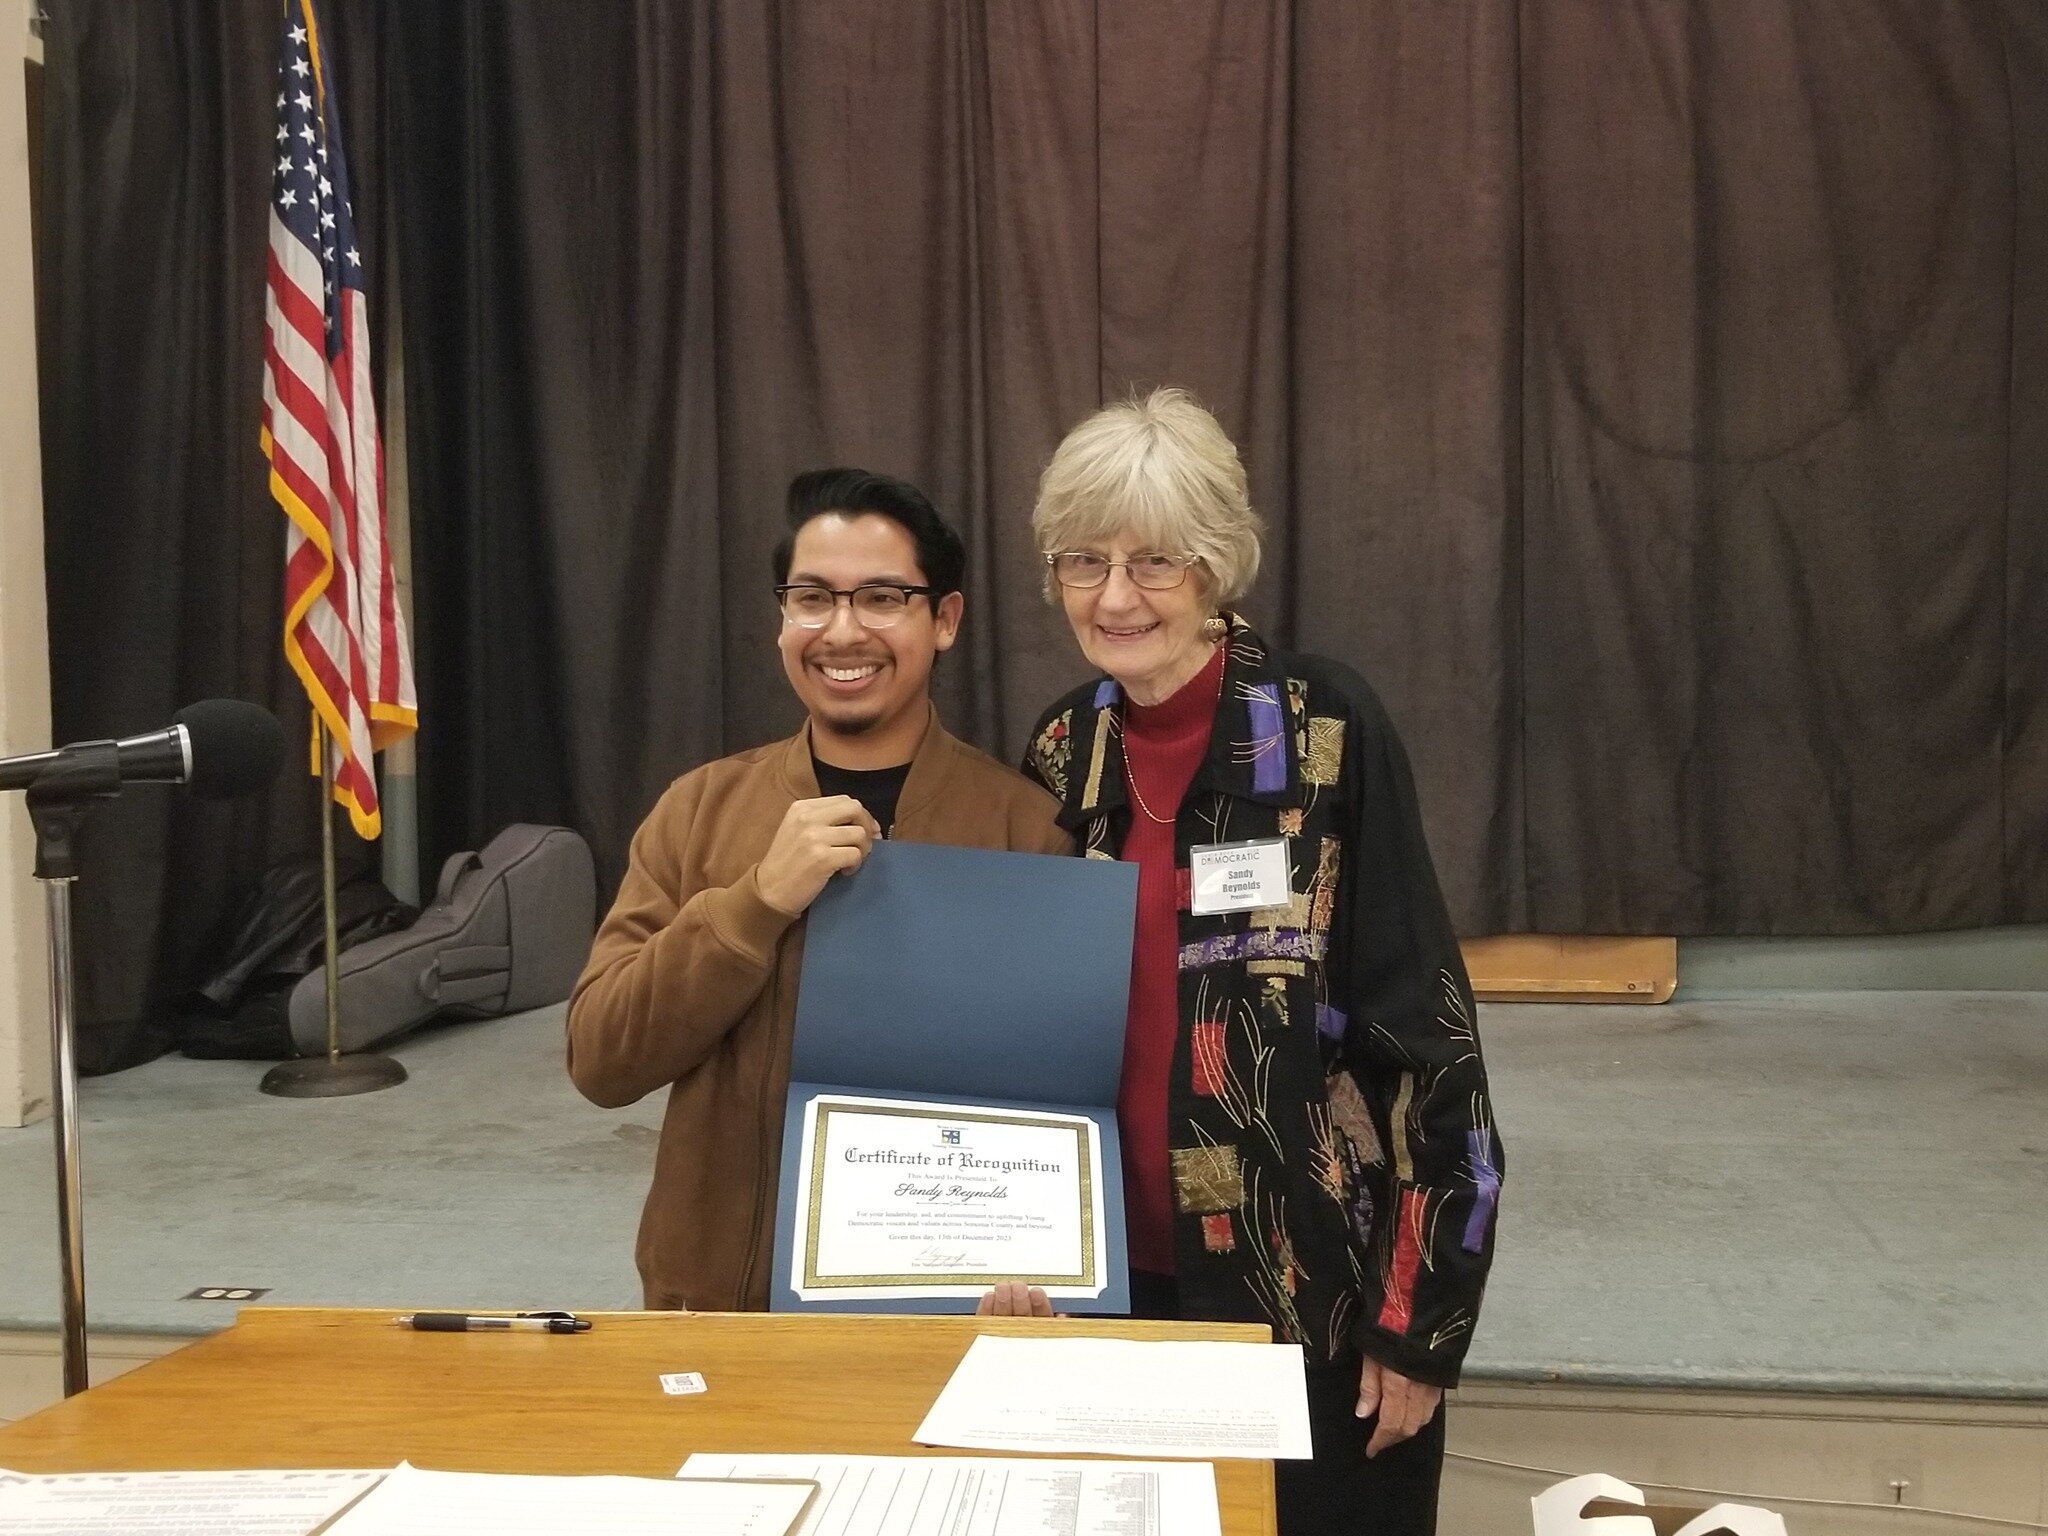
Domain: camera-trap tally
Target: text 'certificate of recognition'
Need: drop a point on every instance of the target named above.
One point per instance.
(898, 1198)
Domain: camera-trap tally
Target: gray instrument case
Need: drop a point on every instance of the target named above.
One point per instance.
(509, 929)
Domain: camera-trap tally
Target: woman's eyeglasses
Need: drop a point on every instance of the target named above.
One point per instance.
(1154, 572)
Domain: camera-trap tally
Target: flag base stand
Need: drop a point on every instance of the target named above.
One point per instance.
(332, 1077)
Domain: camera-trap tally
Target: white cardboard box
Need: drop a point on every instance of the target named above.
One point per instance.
(1599, 1505)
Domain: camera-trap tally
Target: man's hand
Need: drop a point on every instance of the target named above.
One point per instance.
(1404, 1406)
(1013, 1298)
(817, 840)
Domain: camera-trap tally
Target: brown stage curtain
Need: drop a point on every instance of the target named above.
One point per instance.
(1650, 397)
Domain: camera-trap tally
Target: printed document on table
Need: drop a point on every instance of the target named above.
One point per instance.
(175, 1503)
(1123, 1397)
(411, 1502)
(988, 1495)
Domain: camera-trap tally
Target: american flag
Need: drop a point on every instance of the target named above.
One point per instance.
(343, 633)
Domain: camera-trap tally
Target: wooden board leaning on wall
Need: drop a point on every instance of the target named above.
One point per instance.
(1574, 968)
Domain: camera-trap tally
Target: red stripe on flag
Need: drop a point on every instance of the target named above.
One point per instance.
(325, 670)
(388, 627)
(343, 447)
(299, 314)
(301, 485)
(295, 398)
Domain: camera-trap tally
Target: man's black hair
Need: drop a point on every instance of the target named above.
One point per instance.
(940, 554)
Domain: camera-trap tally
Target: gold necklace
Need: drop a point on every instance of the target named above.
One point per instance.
(1131, 779)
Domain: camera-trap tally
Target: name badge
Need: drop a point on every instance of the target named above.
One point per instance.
(1238, 877)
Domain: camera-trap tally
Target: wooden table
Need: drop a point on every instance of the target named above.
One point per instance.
(310, 1387)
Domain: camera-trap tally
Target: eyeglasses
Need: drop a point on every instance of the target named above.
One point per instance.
(1154, 572)
(876, 605)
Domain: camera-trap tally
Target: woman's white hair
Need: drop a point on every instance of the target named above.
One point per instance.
(1162, 470)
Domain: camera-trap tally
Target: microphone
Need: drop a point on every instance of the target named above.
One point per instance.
(218, 748)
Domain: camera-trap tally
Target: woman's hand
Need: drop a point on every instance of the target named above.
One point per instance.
(1013, 1298)
(1404, 1406)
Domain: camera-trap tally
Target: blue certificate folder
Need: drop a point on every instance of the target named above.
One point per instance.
(964, 976)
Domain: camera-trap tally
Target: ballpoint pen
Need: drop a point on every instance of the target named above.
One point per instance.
(471, 1322)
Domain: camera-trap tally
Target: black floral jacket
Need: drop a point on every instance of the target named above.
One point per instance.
(1335, 1167)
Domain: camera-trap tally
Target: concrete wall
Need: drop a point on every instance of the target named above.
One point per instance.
(1848, 1453)
(1981, 960)
(24, 628)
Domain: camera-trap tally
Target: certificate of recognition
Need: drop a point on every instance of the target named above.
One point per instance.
(950, 1119)
(902, 1198)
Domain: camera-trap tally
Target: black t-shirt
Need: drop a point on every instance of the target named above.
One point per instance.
(876, 789)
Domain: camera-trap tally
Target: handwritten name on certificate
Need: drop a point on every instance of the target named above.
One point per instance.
(898, 1198)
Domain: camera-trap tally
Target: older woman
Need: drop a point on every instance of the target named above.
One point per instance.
(1306, 1131)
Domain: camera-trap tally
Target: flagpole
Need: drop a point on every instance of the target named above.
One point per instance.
(343, 634)
(330, 953)
(333, 1075)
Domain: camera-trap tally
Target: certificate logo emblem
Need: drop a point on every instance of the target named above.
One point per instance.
(949, 1135)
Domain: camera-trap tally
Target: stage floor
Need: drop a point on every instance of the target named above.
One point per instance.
(1805, 1193)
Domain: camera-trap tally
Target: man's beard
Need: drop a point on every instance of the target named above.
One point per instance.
(858, 726)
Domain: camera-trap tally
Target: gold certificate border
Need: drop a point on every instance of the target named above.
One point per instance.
(825, 1110)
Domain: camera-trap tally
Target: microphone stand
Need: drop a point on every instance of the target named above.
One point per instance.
(334, 1075)
(57, 802)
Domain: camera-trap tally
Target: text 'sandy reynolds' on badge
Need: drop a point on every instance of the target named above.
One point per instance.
(1238, 877)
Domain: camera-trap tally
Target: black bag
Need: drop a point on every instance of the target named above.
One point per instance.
(114, 1045)
(277, 935)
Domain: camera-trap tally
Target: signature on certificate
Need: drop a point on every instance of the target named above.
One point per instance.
(942, 1258)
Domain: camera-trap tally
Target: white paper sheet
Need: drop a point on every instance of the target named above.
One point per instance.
(412, 1502)
(1121, 1397)
(988, 1495)
(175, 1503)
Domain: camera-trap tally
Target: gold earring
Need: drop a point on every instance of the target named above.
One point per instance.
(1215, 628)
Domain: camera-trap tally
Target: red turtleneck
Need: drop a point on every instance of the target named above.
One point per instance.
(1163, 746)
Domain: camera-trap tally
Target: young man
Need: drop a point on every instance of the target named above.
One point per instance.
(692, 979)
